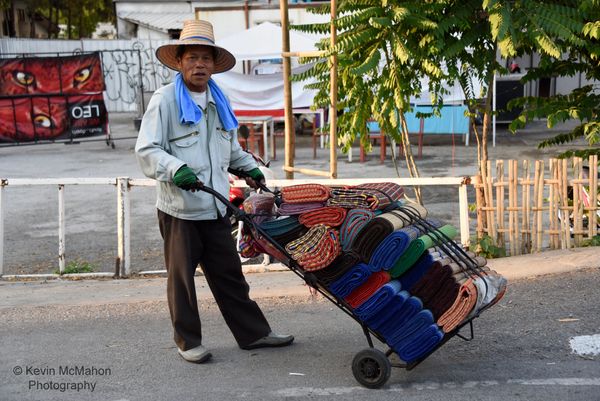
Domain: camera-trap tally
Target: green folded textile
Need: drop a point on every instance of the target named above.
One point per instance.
(417, 247)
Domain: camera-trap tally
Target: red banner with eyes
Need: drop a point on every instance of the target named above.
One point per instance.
(48, 98)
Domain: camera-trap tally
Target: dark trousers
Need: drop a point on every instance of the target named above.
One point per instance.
(209, 243)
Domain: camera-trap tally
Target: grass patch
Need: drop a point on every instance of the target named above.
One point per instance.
(77, 266)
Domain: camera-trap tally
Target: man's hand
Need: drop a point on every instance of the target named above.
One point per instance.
(185, 178)
(256, 178)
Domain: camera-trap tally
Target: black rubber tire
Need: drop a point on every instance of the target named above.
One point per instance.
(371, 368)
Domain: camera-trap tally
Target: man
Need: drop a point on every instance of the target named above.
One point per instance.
(188, 135)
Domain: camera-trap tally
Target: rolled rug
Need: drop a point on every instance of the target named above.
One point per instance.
(367, 289)
(431, 281)
(482, 291)
(366, 196)
(378, 300)
(337, 268)
(290, 209)
(305, 193)
(286, 238)
(375, 231)
(496, 288)
(353, 278)
(445, 296)
(323, 254)
(400, 309)
(420, 345)
(418, 246)
(307, 243)
(460, 309)
(399, 334)
(329, 216)
(356, 220)
(392, 247)
(419, 269)
(280, 225)
(382, 193)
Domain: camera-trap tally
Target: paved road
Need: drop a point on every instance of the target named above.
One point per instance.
(521, 349)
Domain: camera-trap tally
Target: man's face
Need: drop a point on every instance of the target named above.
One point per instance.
(197, 64)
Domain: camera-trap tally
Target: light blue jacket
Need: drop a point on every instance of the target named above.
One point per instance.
(164, 145)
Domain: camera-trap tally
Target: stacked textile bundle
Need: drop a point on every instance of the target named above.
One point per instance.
(399, 271)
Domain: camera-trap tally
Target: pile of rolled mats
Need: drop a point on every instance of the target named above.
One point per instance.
(399, 271)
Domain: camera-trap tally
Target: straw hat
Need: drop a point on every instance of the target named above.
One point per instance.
(195, 32)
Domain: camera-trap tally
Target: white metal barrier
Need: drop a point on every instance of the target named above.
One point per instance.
(124, 184)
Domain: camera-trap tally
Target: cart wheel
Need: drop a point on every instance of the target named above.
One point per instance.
(371, 368)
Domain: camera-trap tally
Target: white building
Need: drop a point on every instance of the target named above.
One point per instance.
(149, 19)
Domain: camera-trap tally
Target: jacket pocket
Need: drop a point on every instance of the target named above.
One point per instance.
(224, 141)
(186, 140)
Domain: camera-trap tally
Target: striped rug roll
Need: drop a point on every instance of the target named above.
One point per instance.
(329, 216)
(305, 193)
(356, 220)
(316, 249)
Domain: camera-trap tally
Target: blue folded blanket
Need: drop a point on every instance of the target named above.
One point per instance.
(280, 226)
(420, 345)
(418, 270)
(392, 247)
(398, 334)
(378, 300)
(400, 309)
(353, 278)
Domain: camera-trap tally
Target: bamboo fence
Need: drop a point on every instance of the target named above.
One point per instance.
(540, 205)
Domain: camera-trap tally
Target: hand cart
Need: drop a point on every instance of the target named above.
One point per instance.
(370, 367)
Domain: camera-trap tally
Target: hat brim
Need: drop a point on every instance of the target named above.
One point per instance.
(167, 54)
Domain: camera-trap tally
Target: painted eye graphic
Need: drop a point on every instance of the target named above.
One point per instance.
(24, 78)
(42, 121)
(82, 75)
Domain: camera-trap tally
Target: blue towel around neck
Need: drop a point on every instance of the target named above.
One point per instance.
(190, 113)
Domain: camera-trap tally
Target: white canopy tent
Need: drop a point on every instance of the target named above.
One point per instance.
(262, 92)
(263, 42)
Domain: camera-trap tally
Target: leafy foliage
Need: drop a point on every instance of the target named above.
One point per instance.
(578, 34)
(387, 49)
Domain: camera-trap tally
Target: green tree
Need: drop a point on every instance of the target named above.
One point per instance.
(579, 52)
(80, 16)
(387, 48)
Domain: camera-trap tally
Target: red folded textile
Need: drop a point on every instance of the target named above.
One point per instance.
(368, 288)
(460, 309)
(329, 216)
(305, 193)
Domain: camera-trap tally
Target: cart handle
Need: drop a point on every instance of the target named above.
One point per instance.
(236, 211)
(244, 174)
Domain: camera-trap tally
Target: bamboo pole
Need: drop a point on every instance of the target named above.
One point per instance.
(307, 171)
(539, 205)
(564, 208)
(500, 203)
(511, 209)
(553, 205)
(594, 196)
(480, 202)
(333, 92)
(577, 201)
(525, 201)
(489, 224)
(314, 53)
(287, 90)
